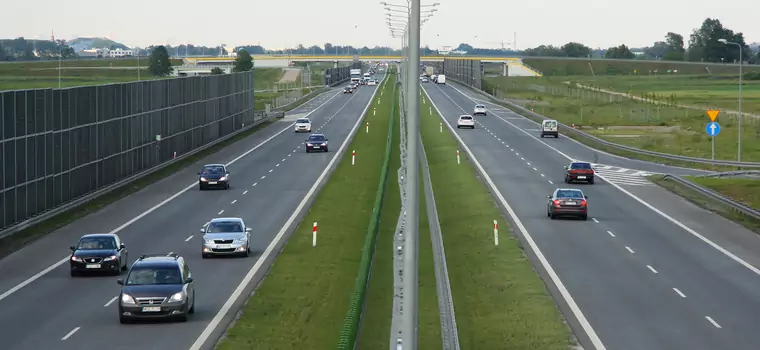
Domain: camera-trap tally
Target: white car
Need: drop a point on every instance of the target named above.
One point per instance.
(466, 121)
(303, 125)
(372, 82)
(479, 109)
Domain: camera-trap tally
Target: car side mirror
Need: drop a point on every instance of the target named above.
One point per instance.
(585, 197)
(227, 174)
(327, 139)
(564, 167)
(550, 197)
(120, 282)
(73, 247)
(203, 230)
(189, 280)
(199, 173)
(248, 229)
(122, 246)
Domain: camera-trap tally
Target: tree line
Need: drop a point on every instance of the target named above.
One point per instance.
(704, 46)
(159, 63)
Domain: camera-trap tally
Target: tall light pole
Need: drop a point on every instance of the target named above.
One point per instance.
(741, 60)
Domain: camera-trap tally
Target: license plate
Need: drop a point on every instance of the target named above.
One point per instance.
(151, 309)
(223, 246)
(92, 266)
(581, 177)
(570, 203)
(316, 146)
(212, 182)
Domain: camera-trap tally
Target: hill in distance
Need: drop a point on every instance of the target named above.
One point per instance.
(80, 44)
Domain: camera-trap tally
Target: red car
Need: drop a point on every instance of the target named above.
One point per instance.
(579, 171)
(567, 202)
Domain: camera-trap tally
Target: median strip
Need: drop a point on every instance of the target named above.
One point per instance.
(302, 302)
(499, 299)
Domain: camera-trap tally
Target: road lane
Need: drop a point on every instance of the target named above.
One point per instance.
(628, 296)
(280, 186)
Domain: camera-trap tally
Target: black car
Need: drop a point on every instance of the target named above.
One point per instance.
(214, 176)
(316, 142)
(157, 287)
(348, 90)
(579, 171)
(567, 202)
(102, 252)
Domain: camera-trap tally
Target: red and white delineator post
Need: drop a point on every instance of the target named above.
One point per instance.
(495, 233)
(368, 127)
(353, 157)
(458, 162)
(314, 235)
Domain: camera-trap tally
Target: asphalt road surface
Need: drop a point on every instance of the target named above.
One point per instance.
(647, 271)
(42, 307)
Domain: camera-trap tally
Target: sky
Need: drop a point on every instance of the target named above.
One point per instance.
(282, 24)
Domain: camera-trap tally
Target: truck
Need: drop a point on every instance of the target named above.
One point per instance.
(356, 75)
(430, 70)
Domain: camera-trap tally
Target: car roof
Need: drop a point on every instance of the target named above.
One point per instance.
(99, 235)
(580, 162)
(213, 165)
(226, 219)
(323, 135)
(157, 261)
(569, 189)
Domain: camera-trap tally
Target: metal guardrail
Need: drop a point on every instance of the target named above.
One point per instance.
(9, 231)
(717, 197)
(569, 130)
(733, 173)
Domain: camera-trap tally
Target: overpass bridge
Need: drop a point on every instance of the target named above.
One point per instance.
(512, 66)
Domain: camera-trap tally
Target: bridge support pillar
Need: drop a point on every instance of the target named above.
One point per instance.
(505, 69)
(335, 64)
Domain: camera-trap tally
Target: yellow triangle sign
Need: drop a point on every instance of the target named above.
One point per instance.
(713, 114)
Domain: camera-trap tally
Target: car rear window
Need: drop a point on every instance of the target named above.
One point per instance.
(480, 106)
(550, 124)
(465, 117)
(569, 194)
(580, 166)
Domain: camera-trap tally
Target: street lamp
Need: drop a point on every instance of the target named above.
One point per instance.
(741, 60)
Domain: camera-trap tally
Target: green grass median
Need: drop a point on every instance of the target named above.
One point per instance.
(499, 300)
(302, 302)
(376, 322)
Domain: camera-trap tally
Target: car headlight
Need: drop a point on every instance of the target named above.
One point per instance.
(203, 179)
(110, 258)
(177, 297)
(76, 258)
(241, 239)
(308, 145)
(127, 299)
(223, 178)
(208, 241)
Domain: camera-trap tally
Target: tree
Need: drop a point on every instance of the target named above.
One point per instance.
(159, 64)
(704, 44)
(544, 51)
(243, 61)
(620, 52)
(573, 49)
(217, 71)
(658, 50)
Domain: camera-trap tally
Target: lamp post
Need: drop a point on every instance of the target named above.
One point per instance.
(741, 60)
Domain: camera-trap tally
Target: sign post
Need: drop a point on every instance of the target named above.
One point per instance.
(713, 128)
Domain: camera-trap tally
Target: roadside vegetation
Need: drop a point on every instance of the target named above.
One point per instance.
(655, 120)
(302, 302)
(745, 191)
(599, 67)
(499, 300)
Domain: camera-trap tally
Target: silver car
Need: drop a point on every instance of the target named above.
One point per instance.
(479, 109)
(226, 236)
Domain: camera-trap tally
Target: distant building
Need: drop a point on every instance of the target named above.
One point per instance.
(106, 53)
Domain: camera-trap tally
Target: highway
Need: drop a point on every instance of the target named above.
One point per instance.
(42, 307)
(647, 270)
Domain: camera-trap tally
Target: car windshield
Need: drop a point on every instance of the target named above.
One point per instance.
(580, 166)
(316, 138)
(153, 275)
(480, 106)
(569, 194)
(466, 117)
(213, 169)
(94, 243)
(224, 226)
(302, 121)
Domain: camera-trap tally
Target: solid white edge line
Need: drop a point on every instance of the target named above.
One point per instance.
(574, 308)
(153, 208)
(69, 334)
(643, 202)
(264, 256)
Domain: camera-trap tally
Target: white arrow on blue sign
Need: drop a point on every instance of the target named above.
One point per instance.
(713, 129)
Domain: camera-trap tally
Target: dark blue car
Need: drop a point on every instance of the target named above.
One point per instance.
(316, 142)
(214, 176)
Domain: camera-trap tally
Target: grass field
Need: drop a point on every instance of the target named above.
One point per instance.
(302, 302)
(657, 127)
(597, 67)
(499, 300)
(376, 322)
(745, 191)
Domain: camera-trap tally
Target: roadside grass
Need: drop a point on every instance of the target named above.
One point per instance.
(499, 300)
(597, 67)
(745, 191)
(301, 303)
(22, 238)
(660, 128)
(378, 312)
(265, 78)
